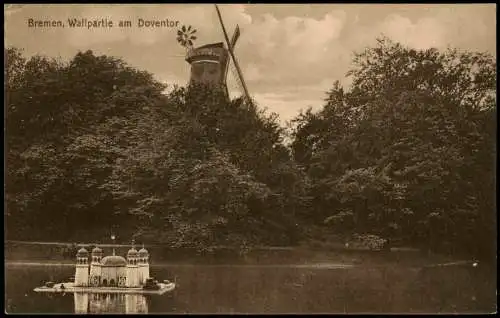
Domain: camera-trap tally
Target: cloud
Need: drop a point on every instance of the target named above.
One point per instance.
(435, 31)
(201, 17)
(252, 72)
(294, 76)
(289, 60)
(291, 41)
(285, 107)
(458, 26)
(424, 34)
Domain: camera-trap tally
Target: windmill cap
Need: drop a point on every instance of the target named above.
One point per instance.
(211, 46)
(213, 51)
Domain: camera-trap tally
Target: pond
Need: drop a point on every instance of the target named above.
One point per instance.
(269, 288)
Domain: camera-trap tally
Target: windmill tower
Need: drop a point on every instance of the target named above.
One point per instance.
(207, 64)
(210, 63)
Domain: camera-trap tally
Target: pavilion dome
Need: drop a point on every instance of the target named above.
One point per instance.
(113, 261)
(96, 250)
(143, 252)
(132, 252)
(82, 252)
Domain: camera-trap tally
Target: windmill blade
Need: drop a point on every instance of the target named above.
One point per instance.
(235, 37)
(233, 86)
(230, 49)
(238, 81)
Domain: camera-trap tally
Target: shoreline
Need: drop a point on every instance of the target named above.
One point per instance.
(326, 247)
(28, 253)
(69, 244)
(322, 265)
(311, 264)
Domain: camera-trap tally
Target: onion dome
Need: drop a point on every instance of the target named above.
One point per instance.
(96, 251)
(143, 252)
(132, 252)
(113, 261)
(82, 252)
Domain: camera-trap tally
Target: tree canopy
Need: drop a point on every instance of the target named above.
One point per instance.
(407, 152)
(96, 146)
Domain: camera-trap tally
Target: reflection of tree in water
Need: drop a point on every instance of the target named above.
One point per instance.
(31, 302)
(472, 290)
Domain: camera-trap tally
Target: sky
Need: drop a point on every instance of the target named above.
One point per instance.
(290, 55)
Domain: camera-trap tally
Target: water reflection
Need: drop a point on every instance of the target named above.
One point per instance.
(268, 289)
(110, 303)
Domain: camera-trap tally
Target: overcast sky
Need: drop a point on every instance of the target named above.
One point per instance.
(290, 54)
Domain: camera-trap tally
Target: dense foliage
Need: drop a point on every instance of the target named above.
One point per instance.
(406, 153)
(95, 146)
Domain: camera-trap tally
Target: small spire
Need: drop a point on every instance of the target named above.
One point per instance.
(113, 238)
(143, 245)
(133, 243)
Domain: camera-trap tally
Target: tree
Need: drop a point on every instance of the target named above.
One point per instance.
(403, 144)
(196, 178)
(95, 144)
(58, 119)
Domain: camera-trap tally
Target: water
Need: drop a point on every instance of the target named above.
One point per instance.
(390, 288)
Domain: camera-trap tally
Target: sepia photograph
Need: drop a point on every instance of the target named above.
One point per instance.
(250, 159)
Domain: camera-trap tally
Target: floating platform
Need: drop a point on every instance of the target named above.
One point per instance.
(71, 288)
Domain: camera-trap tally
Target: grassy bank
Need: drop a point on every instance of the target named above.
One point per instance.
(60, 252)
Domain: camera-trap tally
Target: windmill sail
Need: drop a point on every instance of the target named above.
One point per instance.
(228, 65)
(234, 39)
(235, 61)
(236, 80)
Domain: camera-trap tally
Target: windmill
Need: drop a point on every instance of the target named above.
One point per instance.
(230, 45)
(210, 63)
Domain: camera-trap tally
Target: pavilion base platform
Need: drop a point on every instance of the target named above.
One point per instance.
(71, 288)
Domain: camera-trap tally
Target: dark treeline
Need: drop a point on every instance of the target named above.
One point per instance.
(406, 153)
